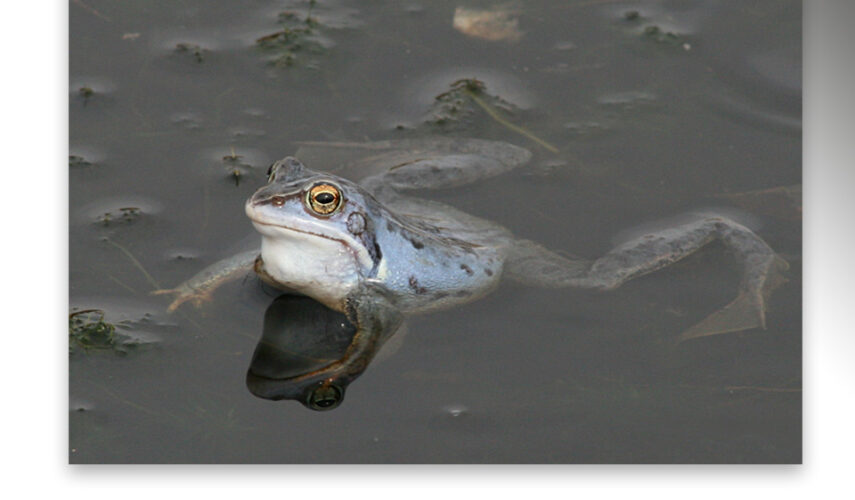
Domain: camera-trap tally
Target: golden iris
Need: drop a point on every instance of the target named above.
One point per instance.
(323, 199)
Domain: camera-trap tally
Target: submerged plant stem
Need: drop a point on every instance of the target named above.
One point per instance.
(495, 115)
(123, 285)
(136, 263)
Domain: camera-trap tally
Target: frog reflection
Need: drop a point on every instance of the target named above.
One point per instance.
(301, 336)
(365, 248)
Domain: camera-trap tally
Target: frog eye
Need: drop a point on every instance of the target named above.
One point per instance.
(323, 199)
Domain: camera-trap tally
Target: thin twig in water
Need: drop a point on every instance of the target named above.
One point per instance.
(495, 115)
(126, 287)
(136, 263)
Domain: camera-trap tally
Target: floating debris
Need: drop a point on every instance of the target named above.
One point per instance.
(197, 51)
(496, 24)
(90, 88)
(660, 35)
(661, 30)
(124, 215)
(235, 166)
(453, 110)
(287, 43)
(631, 15)
(85, 92)
(75, 161)
(84, 156)
(303, 34)
(88, 330)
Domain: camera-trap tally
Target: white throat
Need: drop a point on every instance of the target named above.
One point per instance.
(319, 267)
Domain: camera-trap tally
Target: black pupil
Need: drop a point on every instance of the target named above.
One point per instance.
(324, 198)
(325, 403)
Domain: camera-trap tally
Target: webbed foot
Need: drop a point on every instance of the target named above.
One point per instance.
(184, 294)
(746, 311)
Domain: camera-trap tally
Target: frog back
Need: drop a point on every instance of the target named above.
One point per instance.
(438, 257)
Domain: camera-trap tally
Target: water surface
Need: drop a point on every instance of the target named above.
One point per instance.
(655, 109)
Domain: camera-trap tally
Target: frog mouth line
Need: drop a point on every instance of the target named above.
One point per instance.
(358, 255)
(300, 231)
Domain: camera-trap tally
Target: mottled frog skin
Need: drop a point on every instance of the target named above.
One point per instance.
(366, 248)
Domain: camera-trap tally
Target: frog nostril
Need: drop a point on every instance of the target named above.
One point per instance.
(277, 200)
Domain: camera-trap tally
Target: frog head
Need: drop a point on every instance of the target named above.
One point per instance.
(317, 231)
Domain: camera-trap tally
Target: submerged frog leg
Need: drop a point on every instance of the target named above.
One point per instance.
(532, 264)
(199, 288)
(440, 171)
(428, 163)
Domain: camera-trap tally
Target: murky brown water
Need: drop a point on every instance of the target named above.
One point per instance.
(648, 123)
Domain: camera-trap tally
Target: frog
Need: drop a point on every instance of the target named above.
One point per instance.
(367, 247)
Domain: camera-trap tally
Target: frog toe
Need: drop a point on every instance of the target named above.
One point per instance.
(181, 296)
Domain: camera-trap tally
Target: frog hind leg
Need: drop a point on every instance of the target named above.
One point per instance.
(427, 163)
(532, 264)
(439, 171)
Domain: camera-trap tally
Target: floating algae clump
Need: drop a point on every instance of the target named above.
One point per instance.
(454, 109)
(89, 331)
(302, 36)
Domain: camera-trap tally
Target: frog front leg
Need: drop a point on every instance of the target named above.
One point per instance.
(761, 268)
(199, 288)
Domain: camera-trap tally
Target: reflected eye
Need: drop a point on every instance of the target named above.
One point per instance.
(325, 397)
(323, 199)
